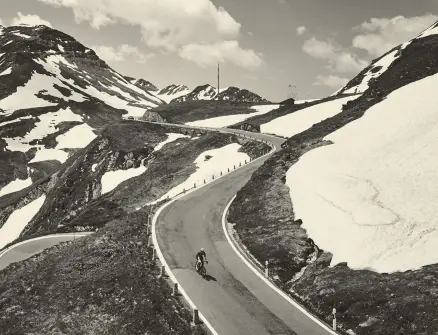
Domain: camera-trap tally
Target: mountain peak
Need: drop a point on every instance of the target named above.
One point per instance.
(423, 43)
(231, 93)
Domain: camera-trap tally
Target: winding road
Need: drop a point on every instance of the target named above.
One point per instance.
(233, 299)
(26, 249)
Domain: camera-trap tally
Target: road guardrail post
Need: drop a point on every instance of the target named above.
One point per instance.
(184, 190)
(148, 229)
(175, 290)
(267, 269)
(212, 177)
(153, 253)
(204, 181)
(195, 320)
(194, 185)
(162, 271)
(334, 318)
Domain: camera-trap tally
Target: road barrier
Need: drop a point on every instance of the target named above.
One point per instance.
(152, 240)
(175, 289)
(334, 319)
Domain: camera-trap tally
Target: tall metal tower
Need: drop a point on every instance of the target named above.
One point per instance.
(217, 81)
(292, 92)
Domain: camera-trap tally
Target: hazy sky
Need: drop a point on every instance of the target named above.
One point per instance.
(263, 45)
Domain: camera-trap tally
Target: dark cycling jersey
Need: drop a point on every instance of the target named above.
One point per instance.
(201, 255)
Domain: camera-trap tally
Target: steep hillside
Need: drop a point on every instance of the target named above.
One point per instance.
(53, 88)
(172, 92)
(143, 84)
(197, 112)
(397, 60)
(129, 165)
(104, 283)
(345, 212)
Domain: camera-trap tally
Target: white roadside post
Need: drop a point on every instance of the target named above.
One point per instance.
(195, 320)
(175, 290)
(334, 318)
(162, 272)
(267, 269)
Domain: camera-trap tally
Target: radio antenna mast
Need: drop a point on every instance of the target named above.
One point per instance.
(217, 81)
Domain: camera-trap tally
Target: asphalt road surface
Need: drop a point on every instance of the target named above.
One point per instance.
(26, 249)
(233, 299)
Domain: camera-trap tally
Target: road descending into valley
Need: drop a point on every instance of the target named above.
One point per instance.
(27, 249)
(232, 298)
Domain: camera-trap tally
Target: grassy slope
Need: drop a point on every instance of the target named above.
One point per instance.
(367, 302)
(73, 194)
(102, 284)
(189, 111)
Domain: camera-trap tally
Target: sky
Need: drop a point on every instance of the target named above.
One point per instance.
(272, 47)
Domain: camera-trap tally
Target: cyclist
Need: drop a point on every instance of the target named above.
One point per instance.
(200, 258)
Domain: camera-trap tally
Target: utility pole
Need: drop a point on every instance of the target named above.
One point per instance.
(292, 92)
(217, 81)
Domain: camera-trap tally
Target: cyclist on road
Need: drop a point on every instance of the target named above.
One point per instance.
(200, 258)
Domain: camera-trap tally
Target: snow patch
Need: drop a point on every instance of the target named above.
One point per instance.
(22, 35)
(228, 120)
(18, 220)
(77, 137)
(61, 48)
(7, 71)
(369, 198)
(111, 179)
(15, 120)
(296, 122)
(221, 159)
(433, 30)
(171, 138)
(47, 125)
(15, 185)
(384, 63)
(49, 154)
(27, 93)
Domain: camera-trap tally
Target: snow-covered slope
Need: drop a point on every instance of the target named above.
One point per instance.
(208, 92)
(375, 187)
(171, 92)
(55, 95)
(143, 84)
(405, 52)
(209, 163)
(294, 123)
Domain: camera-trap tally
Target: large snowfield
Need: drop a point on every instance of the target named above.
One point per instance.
(228, 120)
(18, 220)
(296, 122)
(221, 159)
(370, 198)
